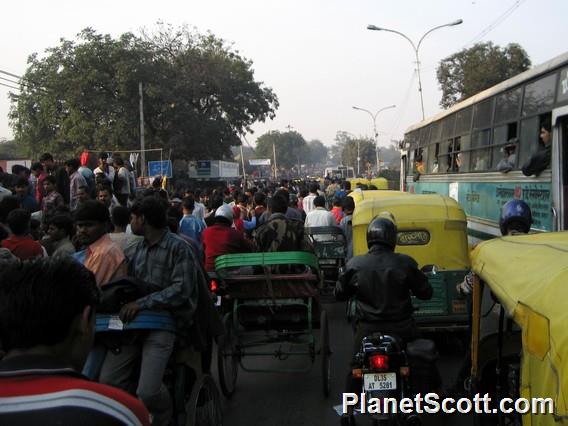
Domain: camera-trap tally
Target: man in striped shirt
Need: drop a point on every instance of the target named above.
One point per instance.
(47, 319)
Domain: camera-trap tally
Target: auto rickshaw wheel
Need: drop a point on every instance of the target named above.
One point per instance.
(203, 407)
(325, 354)
(228, 357)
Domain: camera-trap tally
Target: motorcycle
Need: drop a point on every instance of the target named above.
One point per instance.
(387, 369)
(381, 370)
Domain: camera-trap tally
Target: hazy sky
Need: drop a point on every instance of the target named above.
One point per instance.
(317, 55)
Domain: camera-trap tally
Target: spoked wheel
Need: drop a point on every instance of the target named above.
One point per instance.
(203, 407)
(325, 354)
(228, 357)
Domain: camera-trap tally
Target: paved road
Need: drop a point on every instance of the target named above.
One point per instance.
(297, 399)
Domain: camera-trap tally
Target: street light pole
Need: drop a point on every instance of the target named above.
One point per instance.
(374, 118)
(416, 48)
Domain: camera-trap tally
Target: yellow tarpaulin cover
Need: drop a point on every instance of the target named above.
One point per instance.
(439, 218)
(529, 276)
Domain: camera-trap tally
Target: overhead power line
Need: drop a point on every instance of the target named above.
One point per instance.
(500, 19)
(22, 81)
(11, 87)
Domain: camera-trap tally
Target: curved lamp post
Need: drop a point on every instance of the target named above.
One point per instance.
(416, 47)
(374, 118)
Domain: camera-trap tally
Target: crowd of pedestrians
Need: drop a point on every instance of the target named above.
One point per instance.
(101, 222)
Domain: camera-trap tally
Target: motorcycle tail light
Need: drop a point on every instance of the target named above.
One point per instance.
(213, 286)
(378, 362)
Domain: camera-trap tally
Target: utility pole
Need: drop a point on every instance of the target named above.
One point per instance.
(142, 145)
(244, 172)
(275, 167)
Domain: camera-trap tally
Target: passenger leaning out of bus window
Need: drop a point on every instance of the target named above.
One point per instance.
(419, 168)
(540, 160)
(509, 159)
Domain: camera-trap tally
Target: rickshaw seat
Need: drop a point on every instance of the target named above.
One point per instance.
(270, 282)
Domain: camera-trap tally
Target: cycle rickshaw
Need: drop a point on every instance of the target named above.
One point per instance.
(270, 299)
(195, 396)
(330, 247)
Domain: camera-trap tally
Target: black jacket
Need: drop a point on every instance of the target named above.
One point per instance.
(538, 162)
(381, 283)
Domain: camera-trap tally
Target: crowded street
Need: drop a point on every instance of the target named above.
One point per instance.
(251, 213)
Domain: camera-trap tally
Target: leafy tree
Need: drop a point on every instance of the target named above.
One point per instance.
(317, 152)
(199, 95)
(11, 150)
(472, 70)
(345, 149)
(291, 148)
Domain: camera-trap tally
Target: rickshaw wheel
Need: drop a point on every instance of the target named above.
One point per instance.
(203, 407)
(228, 358)
(325, 354)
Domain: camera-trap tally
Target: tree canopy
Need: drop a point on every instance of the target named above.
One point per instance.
(291, 148)
(345, 150)
(472, 70)
(317, 152)
(200, 95)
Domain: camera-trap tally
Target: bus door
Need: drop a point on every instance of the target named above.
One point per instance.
(560, 202)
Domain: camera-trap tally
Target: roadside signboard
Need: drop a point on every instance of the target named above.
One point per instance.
(160, 168)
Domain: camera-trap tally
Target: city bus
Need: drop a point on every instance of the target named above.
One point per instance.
(339, 172)
(457, 151)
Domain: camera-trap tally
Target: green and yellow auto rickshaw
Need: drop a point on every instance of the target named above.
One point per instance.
(519, 345)
(432, 229)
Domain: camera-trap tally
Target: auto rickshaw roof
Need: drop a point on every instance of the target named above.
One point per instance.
(432, 228)
(408, 208)
(528, 274)
(359, 196)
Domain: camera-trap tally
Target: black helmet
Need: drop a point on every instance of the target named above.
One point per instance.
(381, 230)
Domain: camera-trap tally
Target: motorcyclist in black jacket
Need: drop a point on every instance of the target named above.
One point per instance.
(381, 283)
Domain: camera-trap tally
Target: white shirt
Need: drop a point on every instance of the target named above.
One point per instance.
(109, 175)
(199, 210)
(320, 217)
(308, 203)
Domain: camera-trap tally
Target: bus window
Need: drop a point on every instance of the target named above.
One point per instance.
(465, 153)
(457, 156)
(419, 166)
(539, 95)
(445, 157)
(528, 139)
(502, 137)
(480, 156)
(433, 159)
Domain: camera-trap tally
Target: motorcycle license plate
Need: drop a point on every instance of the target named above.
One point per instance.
(379, 381)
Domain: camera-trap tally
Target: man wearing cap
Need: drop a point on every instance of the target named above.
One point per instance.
(102, 256)
(508, 162)
(221, 238)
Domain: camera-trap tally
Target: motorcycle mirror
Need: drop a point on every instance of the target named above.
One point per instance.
(430, 269)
